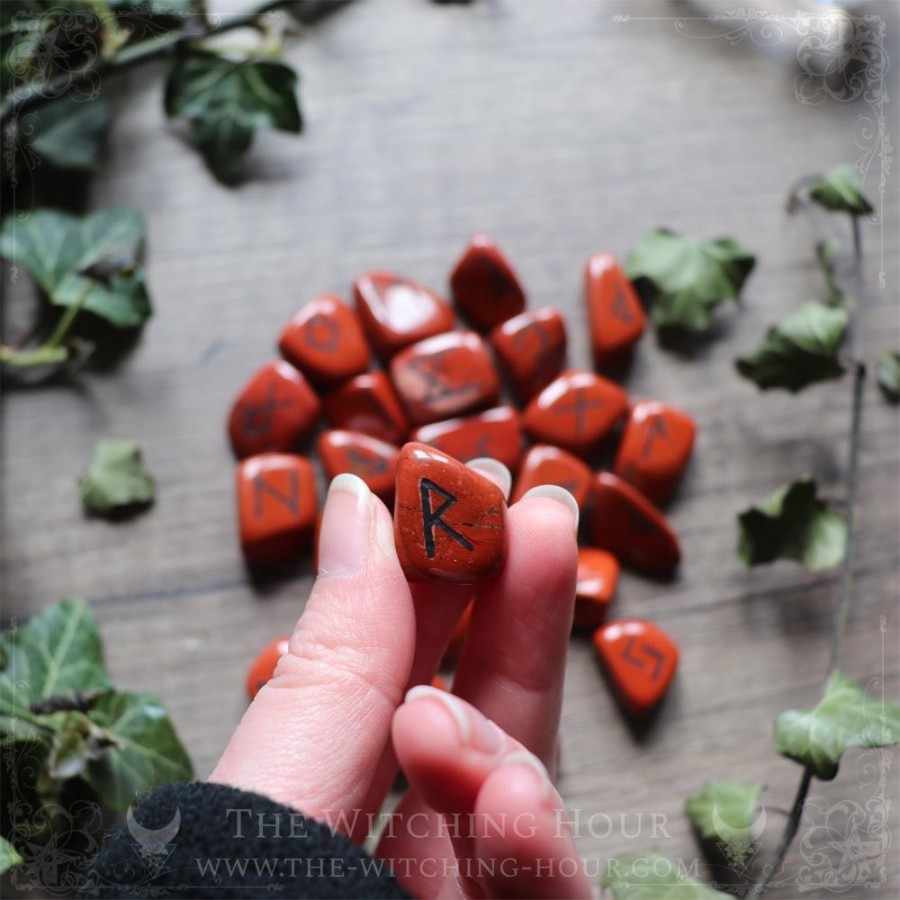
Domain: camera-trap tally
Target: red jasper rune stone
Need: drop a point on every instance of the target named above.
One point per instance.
(325, 341)
(576, 411)
(532, 349)
(397, 312)
(445, 376)
(275, 410)
(496, 433)
(627, 524)
(484, 285)
(595, 586)
(544, 464)
(374, 461)
(614, 310)
(449, 521)
(655, 448)
(368, 403)
(276, 494)
(641, 660)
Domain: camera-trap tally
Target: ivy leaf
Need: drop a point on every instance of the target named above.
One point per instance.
(95, 259)
(889, 375)
(8, 855)
(725, 812)
(117, 481)
(793, 523)
(55, 652)
(76, 740)
(825, 253)
(841, 191)
(689, 278)
(69, 133)
(228, 100)
(799, 351)
(147, 752)
(817, 737)
(653, 876)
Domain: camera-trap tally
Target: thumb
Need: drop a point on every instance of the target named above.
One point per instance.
(313, 735)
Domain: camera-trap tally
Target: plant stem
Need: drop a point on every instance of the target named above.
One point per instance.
(790, 831)
(32, 95)
(839, 623)
(857, 241)
(67, 319)
(845, 595)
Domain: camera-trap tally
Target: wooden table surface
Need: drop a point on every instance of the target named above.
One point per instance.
(560, 131)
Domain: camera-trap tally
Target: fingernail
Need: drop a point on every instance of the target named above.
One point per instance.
(346, 526)
(557, 493)
(530, 761)
(494, 471)
(475, 730)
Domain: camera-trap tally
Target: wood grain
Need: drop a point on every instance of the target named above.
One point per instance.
(560, 132)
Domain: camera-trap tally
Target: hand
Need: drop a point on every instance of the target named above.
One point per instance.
(326, 733)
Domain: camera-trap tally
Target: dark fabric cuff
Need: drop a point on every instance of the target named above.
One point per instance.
(198, 840)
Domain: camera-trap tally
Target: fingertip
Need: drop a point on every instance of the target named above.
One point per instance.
(494, 471)
(558, 495)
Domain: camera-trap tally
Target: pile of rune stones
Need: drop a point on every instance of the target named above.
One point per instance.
(407, 429)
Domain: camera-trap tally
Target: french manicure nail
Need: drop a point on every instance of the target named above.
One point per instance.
(475, 730)
(530, 761)
(557, 493)
(493, 470)
(346, 526)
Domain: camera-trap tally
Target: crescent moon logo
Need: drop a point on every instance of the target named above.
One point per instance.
(153, 840)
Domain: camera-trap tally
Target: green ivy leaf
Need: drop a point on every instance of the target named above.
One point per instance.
(841, 191)
(8, 855)
(799, 351)
(653, 876)
(117, 481)
(793, 523)
(825, 253)
(98, 257)
(228, 100)
(55, 652)
(69, 133)
(725, 812)
(889, 374)
(689, 278)
(147, 753)
(817, 737)
(76, 740)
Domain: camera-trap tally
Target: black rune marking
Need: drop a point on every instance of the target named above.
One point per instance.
(258, 418)
(620, 307)
(322, 333)
(364, 464)
(432, 518)
(647, 650)
(430, 369)
(579, 405)
(291, 499)
(656, 428)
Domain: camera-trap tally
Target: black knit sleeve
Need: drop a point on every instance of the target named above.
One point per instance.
(197, 840)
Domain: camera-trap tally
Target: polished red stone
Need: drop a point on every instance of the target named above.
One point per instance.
(595, 586)
(276, 495)
(543, 464)
(449, 521)
(655, 449)
(641, 660)
(458, 636)
(445, 376)
(368, 403)
(263, 667)
(614, 310)
(484, 285)
(627, 524)
(397, 312)
(532, 349)
(576, 411)
(496, 433)
(275, 410)
(325, 341)
(370, 459)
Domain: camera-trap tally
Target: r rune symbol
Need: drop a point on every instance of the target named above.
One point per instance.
(431, 518)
